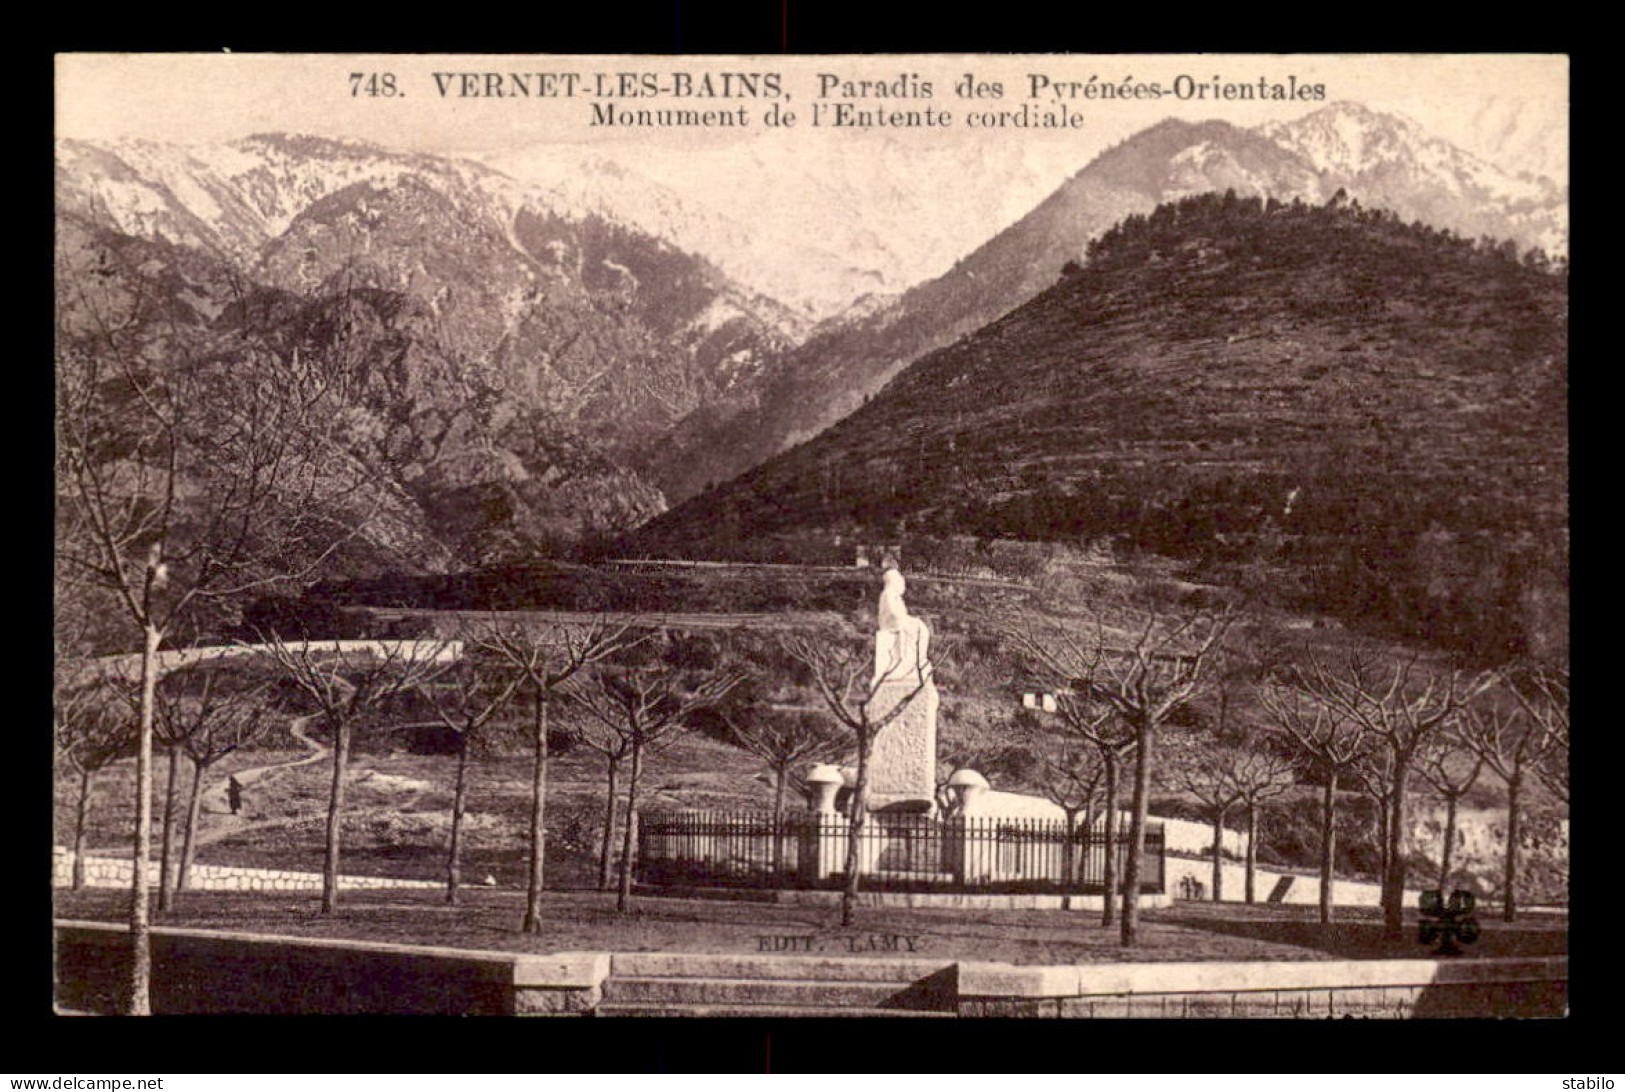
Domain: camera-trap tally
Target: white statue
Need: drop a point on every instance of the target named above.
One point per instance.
(902, 640)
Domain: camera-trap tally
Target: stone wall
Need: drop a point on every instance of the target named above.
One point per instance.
(118, 872)
(200, 971)
(1397, 988)
(1303, 891)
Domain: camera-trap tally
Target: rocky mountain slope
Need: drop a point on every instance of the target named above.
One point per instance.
(519, 365)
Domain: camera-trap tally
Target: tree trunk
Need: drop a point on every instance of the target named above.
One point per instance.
(1382, 841)
(335, 817)
(1447, 855)
(1328, 845)
(1509, 900)
(1218, 853)
(1069, 850)
(1108, 912)
(607, 848)
(538, 816)
(1393, 915)
(80, 820)
(1250, 875)
(623, 897)
(459, 804)
(778, 819)
(1395, 907)
(854, 835)
(166, 876)
(194, 805)
(140, 997)
(1136, 847)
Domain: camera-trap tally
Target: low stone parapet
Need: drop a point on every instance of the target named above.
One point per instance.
(1391, 988)
(204, 971)
(119, 872)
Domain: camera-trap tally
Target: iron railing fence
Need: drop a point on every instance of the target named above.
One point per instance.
(895, 852)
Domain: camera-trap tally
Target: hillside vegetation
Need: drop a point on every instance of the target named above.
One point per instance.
(1358, 414)
(1382, 159)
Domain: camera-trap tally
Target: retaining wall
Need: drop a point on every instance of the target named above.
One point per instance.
(202, 971)
(119, 872)
(1304, 890)
(197, 971)
(1387, 988)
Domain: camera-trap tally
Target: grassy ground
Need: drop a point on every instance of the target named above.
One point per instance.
(588, 921)
(398, 809)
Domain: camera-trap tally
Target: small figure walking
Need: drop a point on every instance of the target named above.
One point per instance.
(234, 794)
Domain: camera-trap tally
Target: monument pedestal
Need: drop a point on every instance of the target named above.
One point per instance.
(903, 763)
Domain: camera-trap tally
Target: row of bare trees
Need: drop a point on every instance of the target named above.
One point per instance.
(1378, 721)
(192, 468)
(1116, 687)
(621, 709)
(1364, 720)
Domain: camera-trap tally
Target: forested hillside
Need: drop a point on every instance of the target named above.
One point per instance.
(1361, 415)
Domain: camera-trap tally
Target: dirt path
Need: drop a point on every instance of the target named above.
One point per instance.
(216, 800)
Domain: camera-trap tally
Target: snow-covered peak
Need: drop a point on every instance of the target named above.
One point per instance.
(1352, 140)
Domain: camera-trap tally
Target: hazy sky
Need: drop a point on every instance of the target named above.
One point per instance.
(197, 98)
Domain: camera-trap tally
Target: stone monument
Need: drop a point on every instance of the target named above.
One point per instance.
(903, 764)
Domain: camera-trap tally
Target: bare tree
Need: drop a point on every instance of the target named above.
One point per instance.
(647, 708)
(783, 739)
(1206, 774)
(1071, 771)
(1451, 769)
(1259, 775)
(1057, 660)
(191, 468)
(171, 730)
(614, 747)
(346, 685)
(1142, 673)
(215, 711)
(1501, 731)
(1374, 778)
(842, 674)
(1401, 705)
(1328, 740)
(467, 698)
(92, 729)
(185, 704)
(1544, 696)
(548, 657)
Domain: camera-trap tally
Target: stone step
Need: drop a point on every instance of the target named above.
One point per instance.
(773, 967)
(755, 991)
(615, 1009)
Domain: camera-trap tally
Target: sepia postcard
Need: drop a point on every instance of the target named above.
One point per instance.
(1061, 536)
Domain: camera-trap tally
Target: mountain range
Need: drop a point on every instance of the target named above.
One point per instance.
(564, 346)
(520, 365)
(1344, 146)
